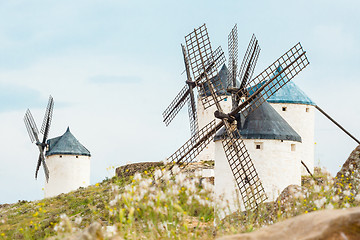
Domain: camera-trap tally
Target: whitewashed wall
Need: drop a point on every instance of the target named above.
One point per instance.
(276, 164)
(67, 173)
(206, 116)
(303, 122)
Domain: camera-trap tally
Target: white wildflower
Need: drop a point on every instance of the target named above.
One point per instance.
(297, 195)
(63, 216)
(137, 177)
(351, 166)
(112, 202)
(179, 178)
(78, 220)
(326, 188)
(157, 174)
(347, 193)
(317, 188)
(110, 231)
(145, 183)
(166, 176)
(357, 197)
(336, 198)
(346, 205)
(114, 188)
(320, 202)
(175, 169)
(329, 206)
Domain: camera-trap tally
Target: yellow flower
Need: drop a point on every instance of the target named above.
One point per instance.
(145, 172)
(97, 184)
(314, 208)
(138, 209)
(2, 234)
(35, 214)
(21, 229)
(306, 211)
(126, 170)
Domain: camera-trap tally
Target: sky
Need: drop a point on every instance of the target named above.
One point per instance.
(113, 66)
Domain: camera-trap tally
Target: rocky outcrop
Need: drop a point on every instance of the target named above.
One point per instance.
(319, 225)
(131, 169)
(353, 162)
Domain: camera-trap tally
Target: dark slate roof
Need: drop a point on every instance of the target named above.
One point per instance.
(223, 74)
(263, 123)
(66, 144)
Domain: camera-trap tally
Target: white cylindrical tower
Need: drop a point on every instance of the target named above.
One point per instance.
(69, 165)
(273, 148)
(205, 116)
(299, 111)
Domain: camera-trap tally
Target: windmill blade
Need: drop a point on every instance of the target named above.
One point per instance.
(204, 62)
(47, 119)
(271, 80)
(245, 175)
(192, 116)
(31, 126)
(175, 106)
(38, 166)
(191, 102)
(249, 62)
(233, 56)
(42, 158)
(187, 153)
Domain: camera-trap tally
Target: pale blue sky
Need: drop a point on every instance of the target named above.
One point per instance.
(103, 61)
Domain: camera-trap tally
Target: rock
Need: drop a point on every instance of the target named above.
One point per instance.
(319, 225)
(93, 232)
(352, 163)
(131, 169)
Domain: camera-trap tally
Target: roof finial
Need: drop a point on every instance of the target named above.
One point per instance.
(68, 129)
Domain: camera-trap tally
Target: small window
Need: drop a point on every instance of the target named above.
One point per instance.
(293, 147)
(225, 99)
(77, 156)
(307, 109)
(284, 109)
(282, 140)
(60, 156)
(258, 145)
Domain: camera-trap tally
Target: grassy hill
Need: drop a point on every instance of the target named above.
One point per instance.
(159, 205)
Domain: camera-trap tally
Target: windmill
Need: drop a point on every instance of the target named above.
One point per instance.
(186, 94)
(203, 62)
(34, 134)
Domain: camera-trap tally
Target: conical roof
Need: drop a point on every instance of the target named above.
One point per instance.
(264, 123)
(66, 144)
(223, 74)
(289, 93)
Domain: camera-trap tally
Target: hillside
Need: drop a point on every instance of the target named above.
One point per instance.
(158, 205)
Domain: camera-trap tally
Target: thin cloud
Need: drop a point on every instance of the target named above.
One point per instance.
(111, 79)
(14, 98)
